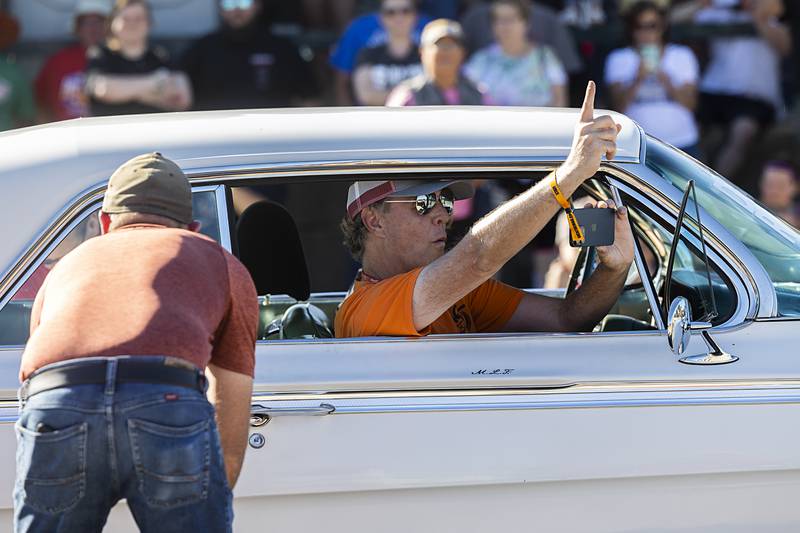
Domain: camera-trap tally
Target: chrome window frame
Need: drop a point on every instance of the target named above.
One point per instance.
(70, 218)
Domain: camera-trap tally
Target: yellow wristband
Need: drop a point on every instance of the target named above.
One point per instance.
(563, 202)
(575, 230)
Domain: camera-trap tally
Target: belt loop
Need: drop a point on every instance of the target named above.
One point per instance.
(22, 394)
(111, 375)
(202, 381)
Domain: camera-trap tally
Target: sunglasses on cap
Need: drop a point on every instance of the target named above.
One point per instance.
(424, 203)
(230, 5)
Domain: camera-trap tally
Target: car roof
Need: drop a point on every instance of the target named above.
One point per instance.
(44, 168)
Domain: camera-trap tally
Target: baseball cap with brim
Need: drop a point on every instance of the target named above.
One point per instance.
(92, 7)
(365, 193)
(438, 29)
(150, 184)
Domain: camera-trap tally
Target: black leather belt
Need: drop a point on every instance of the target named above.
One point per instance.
(129, 370)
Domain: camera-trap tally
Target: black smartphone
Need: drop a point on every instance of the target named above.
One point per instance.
(597, 225)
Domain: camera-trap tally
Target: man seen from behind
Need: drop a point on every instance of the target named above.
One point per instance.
(127, 332)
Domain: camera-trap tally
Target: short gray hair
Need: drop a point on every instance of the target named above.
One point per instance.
(355, 232)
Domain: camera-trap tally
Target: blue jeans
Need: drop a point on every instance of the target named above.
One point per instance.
(81, 449)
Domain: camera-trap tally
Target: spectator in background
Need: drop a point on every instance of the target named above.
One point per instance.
(381, 68)
(544, 27)
(655, 82)
(329, 13)
(16, 98)
(242, 65)
(778, 190)
(363, 32)
(127, 75)
(741, 87)
(60, 85)
(441, 83)
(441, 9)
(517, 71)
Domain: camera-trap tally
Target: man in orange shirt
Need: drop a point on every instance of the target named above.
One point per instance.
(409, 286)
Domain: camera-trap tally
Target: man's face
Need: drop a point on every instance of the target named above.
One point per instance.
(132, 24)
(778, 188)
(90, 29)
(398, 16)
(417, 240)
(237, 14)
(443, 58)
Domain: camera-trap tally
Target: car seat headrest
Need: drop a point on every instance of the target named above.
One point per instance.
(270, 248)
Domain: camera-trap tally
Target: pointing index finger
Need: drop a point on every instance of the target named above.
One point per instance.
(587, 111)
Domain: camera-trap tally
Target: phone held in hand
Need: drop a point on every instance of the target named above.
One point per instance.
(597, 226)
(651, 57)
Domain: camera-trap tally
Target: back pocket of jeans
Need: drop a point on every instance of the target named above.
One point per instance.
(51, 467)
(172, 462)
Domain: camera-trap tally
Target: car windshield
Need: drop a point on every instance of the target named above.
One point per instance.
(775, 243)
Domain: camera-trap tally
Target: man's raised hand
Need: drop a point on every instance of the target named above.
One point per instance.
(593, 139)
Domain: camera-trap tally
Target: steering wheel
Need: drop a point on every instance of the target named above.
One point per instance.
(583, 264)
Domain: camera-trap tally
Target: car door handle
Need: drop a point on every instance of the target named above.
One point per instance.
(260, 415)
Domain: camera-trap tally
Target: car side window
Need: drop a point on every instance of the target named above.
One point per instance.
(15, 315)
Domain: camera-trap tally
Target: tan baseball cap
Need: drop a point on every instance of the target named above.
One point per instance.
(151, 184)
(439, 29)
(365, 193)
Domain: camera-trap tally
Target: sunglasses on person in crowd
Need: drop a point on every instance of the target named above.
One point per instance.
(649, 26)
(392, 11)
(425, 202)
(230, 5)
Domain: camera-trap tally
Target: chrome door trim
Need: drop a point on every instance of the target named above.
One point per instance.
(222, 214)
(709, 393)
(620, 387)
(580, 404)
(647, 284)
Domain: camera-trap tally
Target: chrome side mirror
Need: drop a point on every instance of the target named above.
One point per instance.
(680, 325)
(679, 333)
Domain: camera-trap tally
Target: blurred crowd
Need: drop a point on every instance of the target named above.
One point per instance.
(716, 78)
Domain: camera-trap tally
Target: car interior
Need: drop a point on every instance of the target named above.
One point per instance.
(287, 235)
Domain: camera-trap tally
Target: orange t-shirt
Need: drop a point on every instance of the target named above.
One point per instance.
(384, 308)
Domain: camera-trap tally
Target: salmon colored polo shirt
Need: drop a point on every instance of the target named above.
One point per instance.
(146, 290)
(384, 308)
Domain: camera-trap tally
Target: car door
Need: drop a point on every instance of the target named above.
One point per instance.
(602, 431)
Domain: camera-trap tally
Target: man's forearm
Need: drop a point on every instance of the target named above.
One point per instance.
(498, 236)
(230, 393)
(587, 306)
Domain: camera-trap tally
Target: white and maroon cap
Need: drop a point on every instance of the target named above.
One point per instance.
(365, 193)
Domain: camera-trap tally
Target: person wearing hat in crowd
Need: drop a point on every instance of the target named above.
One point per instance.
(410, 286)
(441, 83)
(127, 333)
(60, 85)
(17, 107)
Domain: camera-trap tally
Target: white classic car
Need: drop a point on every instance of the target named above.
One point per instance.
(629, 427)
